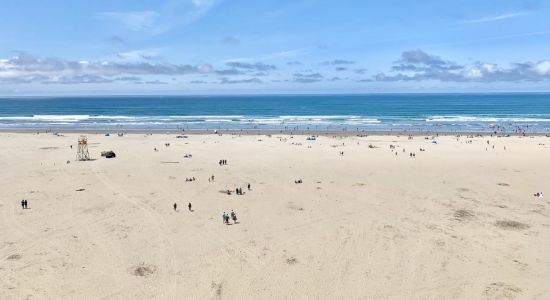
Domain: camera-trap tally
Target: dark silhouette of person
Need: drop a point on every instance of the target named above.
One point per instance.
(189, 206)
(175, 206)
(249, 186)
(233, 217)
(23, 204)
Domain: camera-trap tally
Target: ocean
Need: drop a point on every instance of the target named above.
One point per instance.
(505, 113)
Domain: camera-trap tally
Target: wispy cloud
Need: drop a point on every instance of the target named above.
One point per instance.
(258, 66)
(137, 55)
(231, 40)
(25, 68)
(132, 20)
(171, 14)
(337, 62)
(307, 77)
(497, 18)
(225, 80)
(288, 54)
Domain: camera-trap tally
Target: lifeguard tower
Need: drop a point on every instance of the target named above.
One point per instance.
(82, 153)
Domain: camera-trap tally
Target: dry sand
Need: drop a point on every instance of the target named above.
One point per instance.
(456, 222)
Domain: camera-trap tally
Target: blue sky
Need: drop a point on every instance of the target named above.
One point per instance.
(273, 46)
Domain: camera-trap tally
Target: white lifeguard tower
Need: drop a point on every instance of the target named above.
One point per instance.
(82, 153)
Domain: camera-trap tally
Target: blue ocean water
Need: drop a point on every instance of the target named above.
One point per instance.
(529, 112)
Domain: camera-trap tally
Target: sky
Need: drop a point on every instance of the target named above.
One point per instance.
(130, 47)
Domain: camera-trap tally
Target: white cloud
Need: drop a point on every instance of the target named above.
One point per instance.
(497, 18)
(169, 15)
(133, 20)
(25, 68)
(420, 66)
(203, 3)
(473, 73)
(137, 55)
(542, 67)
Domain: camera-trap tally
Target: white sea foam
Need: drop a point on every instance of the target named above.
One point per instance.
(487, 119)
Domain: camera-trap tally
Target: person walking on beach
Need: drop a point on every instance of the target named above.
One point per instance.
(224, 217)
(249, 186)
(23, 204)
(26, 204)
(175, 206)
(234, 217)
(189, 206)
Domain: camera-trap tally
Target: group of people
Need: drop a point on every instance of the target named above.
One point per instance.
(298, 181)
(188, 156)
(226, 217)
(24, 204)
(211, 178)
(539, 194)
(190, 179)
(239, 191)
(222, 162)
(189, 206)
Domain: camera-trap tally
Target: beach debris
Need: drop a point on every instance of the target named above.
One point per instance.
(108, 154)
(291, 261)
(143, 270)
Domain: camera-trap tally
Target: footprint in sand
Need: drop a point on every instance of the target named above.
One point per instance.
(14, 257)
(511, 225)
(218, 288)
(501, 290)
(463, 215)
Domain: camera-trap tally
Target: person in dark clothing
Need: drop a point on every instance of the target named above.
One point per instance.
(175, 206)
(23, 204)
(249, 186)
(233, 217)
(189, 206)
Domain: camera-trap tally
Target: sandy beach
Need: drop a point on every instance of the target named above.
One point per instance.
(456, 221)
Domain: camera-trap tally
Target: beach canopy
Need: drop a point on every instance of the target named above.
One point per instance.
(310, 138)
